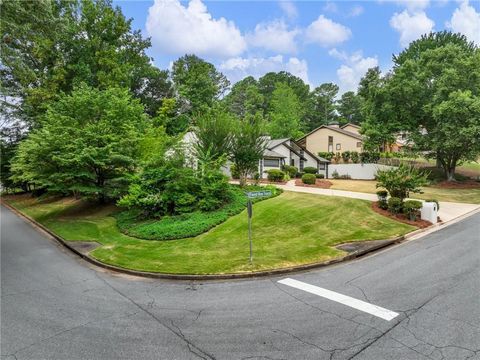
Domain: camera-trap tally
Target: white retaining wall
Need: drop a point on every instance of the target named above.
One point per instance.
(357, 171)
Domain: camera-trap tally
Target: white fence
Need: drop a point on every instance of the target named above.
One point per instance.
(357, 171)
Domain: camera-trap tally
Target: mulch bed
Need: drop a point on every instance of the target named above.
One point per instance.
(319, 183)
(467, 184)
(401, 217)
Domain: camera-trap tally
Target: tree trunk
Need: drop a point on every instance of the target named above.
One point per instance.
(243, 180)
(450, 174)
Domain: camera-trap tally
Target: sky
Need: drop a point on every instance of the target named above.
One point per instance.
(318, 41)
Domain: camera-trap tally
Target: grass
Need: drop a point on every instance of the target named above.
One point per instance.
(290, 229)
(186, 225)
(471, 196)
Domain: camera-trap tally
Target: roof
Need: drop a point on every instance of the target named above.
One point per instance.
(275, 142)
(340, 130)
(350, 124)
(272, 154)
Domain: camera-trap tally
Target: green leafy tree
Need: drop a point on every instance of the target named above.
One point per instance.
(245, 97)
(285, 113)
(321, 106)
(173, 115)
(213, 133)
(402, 181)
(198, 82)
(87, 144)
(350, 108)
(434, 89)
(248, 145)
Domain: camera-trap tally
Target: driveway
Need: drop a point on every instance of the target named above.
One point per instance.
(418, 300)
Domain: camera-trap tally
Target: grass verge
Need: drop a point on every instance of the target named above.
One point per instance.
(290, 229)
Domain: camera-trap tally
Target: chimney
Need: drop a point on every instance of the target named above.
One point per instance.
(334, 124)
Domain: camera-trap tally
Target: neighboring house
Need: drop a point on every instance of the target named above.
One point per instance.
(333, 138)
(287, 151)
(278, 152)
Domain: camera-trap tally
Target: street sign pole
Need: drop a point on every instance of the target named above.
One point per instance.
(249, 211)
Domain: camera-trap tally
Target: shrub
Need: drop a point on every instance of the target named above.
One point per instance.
(335, 174)
(401, 181)
(346, 156)
(355, 157)
(411, 208)
(290, 170)
(309, 179)
(345, 176)
(337, 157)
(369, 157)
(382, 199)
(395, 205)
(326, 155)
(320, 176)
(256, 177)
(299, 175)
(275, 175)
(435, 201)
(309, 170)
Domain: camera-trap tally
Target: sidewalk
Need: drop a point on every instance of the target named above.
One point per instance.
(448, 210)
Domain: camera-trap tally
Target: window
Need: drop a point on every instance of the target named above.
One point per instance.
(339, 147)
(271, 163)
(330, 139)
(359, 144)
(321, 166)
(292, 162)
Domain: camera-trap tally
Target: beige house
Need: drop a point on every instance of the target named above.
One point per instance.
(333, 138)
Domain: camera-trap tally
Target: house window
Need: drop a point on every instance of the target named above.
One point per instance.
(271, 163)
(339, 147)
(359, 144)
(330, 143)
(292, 162)
(321, 166)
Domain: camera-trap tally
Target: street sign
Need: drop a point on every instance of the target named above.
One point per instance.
(257, 194)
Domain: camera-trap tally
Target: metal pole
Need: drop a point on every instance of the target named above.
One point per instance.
(250, 237)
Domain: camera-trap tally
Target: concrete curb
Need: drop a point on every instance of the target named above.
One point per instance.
(357, 254)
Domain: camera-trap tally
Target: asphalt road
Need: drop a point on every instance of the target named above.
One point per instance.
(55, 306)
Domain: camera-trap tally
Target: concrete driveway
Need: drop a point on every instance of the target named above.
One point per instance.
(418, 300)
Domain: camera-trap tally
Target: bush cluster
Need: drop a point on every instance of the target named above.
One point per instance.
(395, 205)
(411, 208)
(132, 223)
(309, 179)
(290, 170)
(326, 155)
(382, 199)
(275, 175)
(320, 176)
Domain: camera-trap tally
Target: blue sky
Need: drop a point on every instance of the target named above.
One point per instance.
(319, 41)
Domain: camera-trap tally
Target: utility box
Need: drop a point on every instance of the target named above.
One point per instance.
(429, 212)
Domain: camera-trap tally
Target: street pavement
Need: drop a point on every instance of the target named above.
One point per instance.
(56, 306)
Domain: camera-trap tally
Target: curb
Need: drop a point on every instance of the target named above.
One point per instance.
(255, 274)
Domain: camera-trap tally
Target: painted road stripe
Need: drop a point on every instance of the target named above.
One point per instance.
(342, 299)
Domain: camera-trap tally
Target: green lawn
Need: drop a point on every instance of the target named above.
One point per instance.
(471, 196)
(290, 229)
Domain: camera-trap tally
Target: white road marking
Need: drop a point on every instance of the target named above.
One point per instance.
(342, 299)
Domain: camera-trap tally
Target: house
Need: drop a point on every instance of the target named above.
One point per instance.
(333, 138)
(287, 151)
(277, 153)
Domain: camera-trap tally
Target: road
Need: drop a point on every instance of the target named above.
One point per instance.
(56, 306)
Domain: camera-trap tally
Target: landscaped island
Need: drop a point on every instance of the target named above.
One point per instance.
(290, 229)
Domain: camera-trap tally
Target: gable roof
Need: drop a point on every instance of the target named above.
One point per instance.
(339, 130)
(350, 124)
(272, 154)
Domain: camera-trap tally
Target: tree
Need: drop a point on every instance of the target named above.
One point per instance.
(322, 106)
(433, 79)
(245, 97)
(401, 181)
(350, 108)
(285, 114)
(87, 144)
(248, 146)
(213, 133)
(198, 82)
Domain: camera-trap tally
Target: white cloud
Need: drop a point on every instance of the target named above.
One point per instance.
(326, 32)
(355, 11)
(177, 29)
(353, 68)
(237, 68)
(330, 7)
(274, 36)
(466, 20)
(411, 25)
(289, 9)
